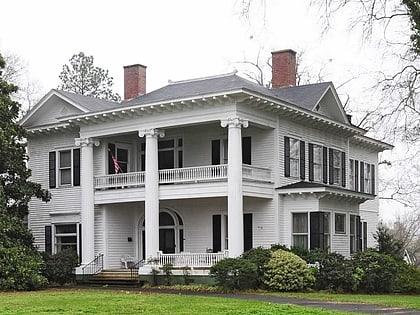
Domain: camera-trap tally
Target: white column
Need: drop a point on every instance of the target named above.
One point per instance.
(235, 198)
(87, 198)
(151, 189)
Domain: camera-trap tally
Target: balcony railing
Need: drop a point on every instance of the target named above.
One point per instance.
(182, 175)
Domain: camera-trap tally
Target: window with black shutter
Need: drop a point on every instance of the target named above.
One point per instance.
(343, 169)
(365, 234)
(76, 167)
(324, 165)
(52, 169)
(246, 150)
(247, 231)
(217, 232)
(311, 161)
(372, 173)
(316, 230)
(286, 156)
(331, 165)
(359, 233)
(302, 160)
(48, 239)
(362, 177)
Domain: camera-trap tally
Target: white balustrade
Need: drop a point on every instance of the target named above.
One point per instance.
(255, 173)
(182, 175)
(119, 180)
(191, 259)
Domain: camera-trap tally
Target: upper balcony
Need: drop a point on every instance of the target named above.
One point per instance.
(188, 182)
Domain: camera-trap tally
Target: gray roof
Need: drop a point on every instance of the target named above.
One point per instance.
(304, 96)
(92, 104)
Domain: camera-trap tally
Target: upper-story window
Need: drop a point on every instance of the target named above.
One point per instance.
(219, 151)
(170, 154)
(294, 158)
(118, 158)
(317, 162)
(337, 167)
(362, 176)
(64, 168)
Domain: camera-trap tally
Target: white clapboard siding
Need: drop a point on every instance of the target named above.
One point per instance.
(64, 199)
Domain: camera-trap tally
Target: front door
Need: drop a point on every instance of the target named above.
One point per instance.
(167, 241)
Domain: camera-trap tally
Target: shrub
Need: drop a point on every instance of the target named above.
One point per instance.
(186, 275)
(167, 270)
(235, 273)
(260, 257)
(20, 262)
(58, 268)
(407, 279)
(376, 271)
(335, 273)
(287, 272)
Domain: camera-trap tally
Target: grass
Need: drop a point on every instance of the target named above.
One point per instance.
(91, 301)
(394, 300)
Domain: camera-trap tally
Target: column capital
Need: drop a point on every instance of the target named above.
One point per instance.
(234, 122)
(84, 142)
(153, 132)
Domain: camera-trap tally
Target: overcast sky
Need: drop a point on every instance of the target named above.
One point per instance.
(180, 39)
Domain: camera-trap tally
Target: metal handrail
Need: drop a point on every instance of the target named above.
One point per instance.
(94, 267)
(134, 269)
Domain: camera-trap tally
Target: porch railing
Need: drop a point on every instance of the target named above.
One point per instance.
(191, 259)
(182, 175)
(119, 180)
(193, 174)
(256, 173)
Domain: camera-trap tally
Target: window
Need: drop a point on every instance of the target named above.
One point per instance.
(294, 158)
(170, 154)
(315, 162)
(64, 168)
(65, 237)
(219, 151)
(118, 158)
(300, 230)
(351, 175)
(340, 223)
(368, 178)
(318, 233)
(337, 167)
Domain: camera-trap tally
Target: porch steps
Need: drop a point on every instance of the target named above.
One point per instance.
(119, 277)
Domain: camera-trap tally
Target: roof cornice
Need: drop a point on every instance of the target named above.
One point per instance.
(243, 96)
(371, 143)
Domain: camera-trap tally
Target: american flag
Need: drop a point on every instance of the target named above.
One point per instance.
(117, 167)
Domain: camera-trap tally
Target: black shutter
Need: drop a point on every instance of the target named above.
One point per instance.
(48, 239)
(246, 150)
(52, 169)
(362, 177)
(356, 175)
(76, 167)
(217, 233)
(215, 152)
(324, 165)
(311, 161)
(286, 156)
(331, 165)
(247, 231)
(80, 243)
(111, 152)
(372, 173)
(343, 169)
(302, 160)
(365, 235)
(358, 233)
(317, 230)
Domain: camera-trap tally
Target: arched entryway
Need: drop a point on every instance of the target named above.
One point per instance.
(171, 233)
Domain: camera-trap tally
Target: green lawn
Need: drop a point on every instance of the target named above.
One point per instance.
(90, 301)
(404, 301)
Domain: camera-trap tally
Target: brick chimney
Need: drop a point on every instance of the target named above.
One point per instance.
(283, 68)
(134, 81)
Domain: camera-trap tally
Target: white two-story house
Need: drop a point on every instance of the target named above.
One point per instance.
(210, 165)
